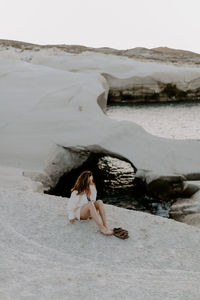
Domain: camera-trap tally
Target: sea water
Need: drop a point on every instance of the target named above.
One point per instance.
(169, 120)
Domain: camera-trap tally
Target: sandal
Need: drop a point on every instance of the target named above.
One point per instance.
(120, 233)
(116, 230)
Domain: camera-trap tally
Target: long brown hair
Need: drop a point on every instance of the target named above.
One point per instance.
(82, 183)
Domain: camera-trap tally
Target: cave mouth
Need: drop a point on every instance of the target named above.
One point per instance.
(116, 184)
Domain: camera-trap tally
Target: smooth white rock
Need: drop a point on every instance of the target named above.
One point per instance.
(43, 256)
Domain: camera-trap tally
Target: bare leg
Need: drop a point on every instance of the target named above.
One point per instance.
(99, 205)
(90, 209)
(101, 208)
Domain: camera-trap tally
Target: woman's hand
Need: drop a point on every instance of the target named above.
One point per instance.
(72, 220)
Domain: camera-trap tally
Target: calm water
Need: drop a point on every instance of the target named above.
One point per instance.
(117, 188)
(170, 120)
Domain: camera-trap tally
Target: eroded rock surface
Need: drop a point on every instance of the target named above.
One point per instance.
(187, 210)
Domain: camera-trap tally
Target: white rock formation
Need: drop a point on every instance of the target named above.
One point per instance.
(51, 117)
(51, 99)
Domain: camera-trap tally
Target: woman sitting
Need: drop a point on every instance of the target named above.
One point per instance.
(82, 203)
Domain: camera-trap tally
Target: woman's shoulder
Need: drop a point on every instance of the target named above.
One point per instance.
(74, 192)
(92, 186)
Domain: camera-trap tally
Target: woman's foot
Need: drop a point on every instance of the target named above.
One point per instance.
(105, 230)
(108, 229)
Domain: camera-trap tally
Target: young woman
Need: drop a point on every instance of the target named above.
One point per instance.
(79, 208)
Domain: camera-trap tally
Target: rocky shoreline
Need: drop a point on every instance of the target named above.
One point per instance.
(140, 94)
(184, 195)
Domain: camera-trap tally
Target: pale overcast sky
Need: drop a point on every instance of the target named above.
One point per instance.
(120, 24)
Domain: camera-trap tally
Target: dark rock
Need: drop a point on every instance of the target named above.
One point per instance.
(167, 187)
(192, 176)
(145, 92)
(190, 190)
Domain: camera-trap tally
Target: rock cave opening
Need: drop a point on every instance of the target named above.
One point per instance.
(116, 184)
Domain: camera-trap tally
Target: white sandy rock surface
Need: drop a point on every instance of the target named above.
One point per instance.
(43, 256)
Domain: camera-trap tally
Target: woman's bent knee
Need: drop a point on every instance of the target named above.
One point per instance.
(99, 201)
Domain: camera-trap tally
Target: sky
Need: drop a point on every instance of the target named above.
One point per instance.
(119, 24)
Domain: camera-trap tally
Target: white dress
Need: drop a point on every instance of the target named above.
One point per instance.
(75, 202)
